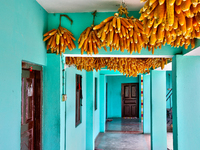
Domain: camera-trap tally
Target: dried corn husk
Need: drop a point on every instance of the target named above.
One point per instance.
(175, 22)
(59, 39)
(126, 66)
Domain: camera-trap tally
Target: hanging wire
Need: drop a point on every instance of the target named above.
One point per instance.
(94, 15)
(67, 18)
(123, 10)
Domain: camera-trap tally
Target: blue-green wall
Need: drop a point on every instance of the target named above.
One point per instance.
(102, 102)
(22, 26)
(186, 102)
(83, 20)
(52, 122)
(146, 103)
(114, 94)
(74, 133)
(79, 133)
(158, 110)
(97, 112)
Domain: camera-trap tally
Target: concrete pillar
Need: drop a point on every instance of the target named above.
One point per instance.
(186, 102)
(51, 119)
(89, 110)
(158, 110)
(102, 103)
(146, 107)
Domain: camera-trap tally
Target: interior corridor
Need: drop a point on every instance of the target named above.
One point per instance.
(126, 134)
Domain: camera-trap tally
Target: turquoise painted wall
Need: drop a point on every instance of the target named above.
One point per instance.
(102, 102)
(75, 136)
(186, 102)
(158, 110)
(90, 111)
(114, 94)
(146, 107)
(22, 26)
(51, 120)
(97, 112)
(168, 85)
(83, 20)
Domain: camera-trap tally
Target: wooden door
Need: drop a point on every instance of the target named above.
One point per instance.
(130, 102)
(31, 110)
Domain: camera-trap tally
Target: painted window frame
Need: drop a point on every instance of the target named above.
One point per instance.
(78, 110)
(95, 93)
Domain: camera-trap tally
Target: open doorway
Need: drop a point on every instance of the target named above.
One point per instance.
(31, 106)
(128, 117)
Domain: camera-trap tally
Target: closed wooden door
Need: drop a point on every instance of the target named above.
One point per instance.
(130, 104)
(30, 110)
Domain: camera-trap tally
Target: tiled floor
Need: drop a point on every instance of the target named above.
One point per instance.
(122, 125)
(126, 134)
(121, 141)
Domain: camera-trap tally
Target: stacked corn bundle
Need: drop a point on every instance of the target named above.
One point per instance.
(121, 33)
(127, 66)
(59, 39)
(88, 40)
(175, 22)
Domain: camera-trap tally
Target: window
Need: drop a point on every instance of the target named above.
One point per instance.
(78, 98)
(95, 97)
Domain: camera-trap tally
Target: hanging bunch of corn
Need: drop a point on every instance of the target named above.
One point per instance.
(88, 40)
(59, 39)
(121, 33)
(174, 22)
(126, 66)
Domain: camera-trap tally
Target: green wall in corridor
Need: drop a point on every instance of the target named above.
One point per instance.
(114, 94)
(74, 133)
(22, 24)
(186, 87)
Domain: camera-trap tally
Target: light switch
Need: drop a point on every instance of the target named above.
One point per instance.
(64, 97)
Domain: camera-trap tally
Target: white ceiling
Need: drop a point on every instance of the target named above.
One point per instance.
(168, 67)
(194, 52)
(66, 6)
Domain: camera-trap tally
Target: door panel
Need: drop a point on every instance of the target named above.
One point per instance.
(126, 91)
(27, 123)
(31, 110)
(133, 91)
(130, 102)
(126, 110)
(133, 110)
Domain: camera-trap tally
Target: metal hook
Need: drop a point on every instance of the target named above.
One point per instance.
(67, 18)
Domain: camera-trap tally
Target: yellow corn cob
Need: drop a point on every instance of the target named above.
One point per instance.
(185, 5)
(170, 13)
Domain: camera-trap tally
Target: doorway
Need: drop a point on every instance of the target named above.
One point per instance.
(129, 100)
(31, 106)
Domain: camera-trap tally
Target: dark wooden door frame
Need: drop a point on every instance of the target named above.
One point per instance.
(38, 71)
(123, 96)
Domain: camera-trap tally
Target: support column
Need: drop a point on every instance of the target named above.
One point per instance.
(89, 110)
(52, 99)
(186, 102)
(146, 107)
(158, 110)
(102, 103)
